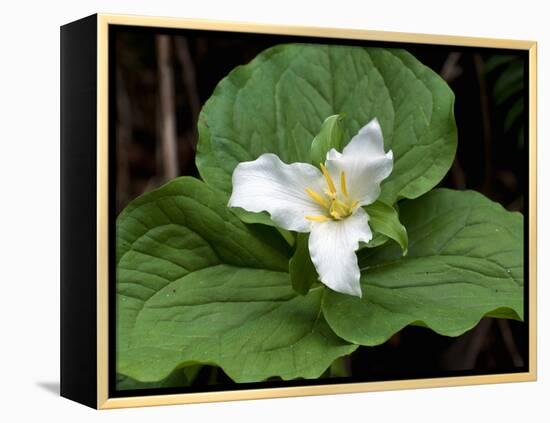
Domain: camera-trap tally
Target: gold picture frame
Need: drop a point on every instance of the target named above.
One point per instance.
(102, 398)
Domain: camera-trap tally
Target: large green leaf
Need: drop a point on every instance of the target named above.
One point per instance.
(196, 285)
(179, 377)
(465, 261)
(278, 102)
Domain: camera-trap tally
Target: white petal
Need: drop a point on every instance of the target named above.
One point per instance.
(365, 163)
(268, 184)
(332, 247)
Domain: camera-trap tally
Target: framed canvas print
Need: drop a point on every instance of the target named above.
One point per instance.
(254, 211)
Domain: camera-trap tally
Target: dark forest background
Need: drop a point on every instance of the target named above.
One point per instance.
(162, 80)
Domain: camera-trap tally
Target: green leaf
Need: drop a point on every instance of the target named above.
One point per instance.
(465, 261)
(330, 136)
(196, 285)
(377, 240)
(384, 219)
(278, 102)
(178, 378)
(302, 271)
(263, 218)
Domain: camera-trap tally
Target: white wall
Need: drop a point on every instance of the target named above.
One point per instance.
(29, 208)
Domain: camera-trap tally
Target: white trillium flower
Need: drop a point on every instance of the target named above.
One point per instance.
(327, 202)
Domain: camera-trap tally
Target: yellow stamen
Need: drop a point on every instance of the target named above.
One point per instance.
(339, 210)
(336, 204)
(327, 176)
(317, 198)
(343, 186)
(317, 218)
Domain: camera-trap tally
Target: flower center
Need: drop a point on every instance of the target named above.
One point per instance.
(338, 204)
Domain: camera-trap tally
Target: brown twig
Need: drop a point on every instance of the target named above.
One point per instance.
(509, 342)
(167, 118)
(189, 81)
(124, 138)
(465, 352)
(486, 122)
(457, 175)
(449, 72)
(478, 341)
(516, 205)
(450, 69)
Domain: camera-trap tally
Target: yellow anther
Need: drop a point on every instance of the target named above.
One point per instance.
(317, 218)
(337, 205)
(330, 182)
(343, 186)
(317, 198)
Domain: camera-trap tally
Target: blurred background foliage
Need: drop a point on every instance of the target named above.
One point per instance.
(162, 80)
